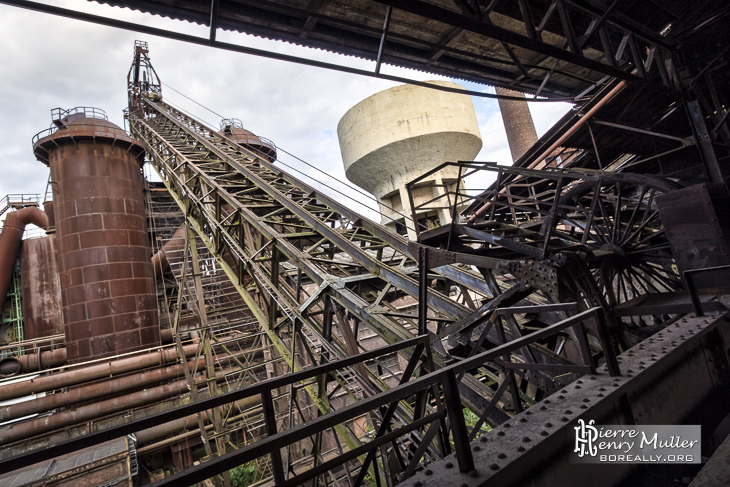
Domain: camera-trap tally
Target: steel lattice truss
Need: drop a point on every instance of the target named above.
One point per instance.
(309, 269)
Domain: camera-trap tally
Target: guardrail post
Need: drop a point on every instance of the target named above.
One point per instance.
(422, 289)
(270, 419)
(607, 343)
(692, 288)
(455, 413)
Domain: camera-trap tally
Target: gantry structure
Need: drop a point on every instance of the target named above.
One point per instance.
(584, 283)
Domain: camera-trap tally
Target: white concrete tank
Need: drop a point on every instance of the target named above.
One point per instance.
(397, 135)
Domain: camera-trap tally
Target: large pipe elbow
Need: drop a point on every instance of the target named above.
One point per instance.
(160, 264)
(10, 239)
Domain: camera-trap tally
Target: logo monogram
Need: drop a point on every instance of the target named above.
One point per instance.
(585, 438)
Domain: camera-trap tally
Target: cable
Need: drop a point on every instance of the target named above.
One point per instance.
(182, 94)
(348, 185)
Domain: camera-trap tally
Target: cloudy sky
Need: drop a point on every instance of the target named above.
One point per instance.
(49, 61)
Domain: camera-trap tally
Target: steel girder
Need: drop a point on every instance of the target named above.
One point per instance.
(607, 43)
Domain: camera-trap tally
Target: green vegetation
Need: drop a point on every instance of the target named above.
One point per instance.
(471, 420)
(243, 475)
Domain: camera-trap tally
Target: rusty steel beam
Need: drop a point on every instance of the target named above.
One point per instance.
(536, 447)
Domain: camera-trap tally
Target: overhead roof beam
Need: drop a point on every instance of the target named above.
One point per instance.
(455, 19)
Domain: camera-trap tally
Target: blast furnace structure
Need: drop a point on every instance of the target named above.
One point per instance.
(234, 322)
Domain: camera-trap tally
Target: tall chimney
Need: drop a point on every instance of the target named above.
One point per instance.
(521, 134)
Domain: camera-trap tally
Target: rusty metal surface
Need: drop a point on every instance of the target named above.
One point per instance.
(97, 390)
(41, 288)
(697, 225)
(160, 261)
(107, 285)
(233, 129)
(48, 209)
(92, 372)
(716, 471)
(534, 448)
(86, 467)
(37, 426)
(10, 239)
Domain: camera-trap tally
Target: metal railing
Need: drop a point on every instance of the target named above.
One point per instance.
(58, 114)
(423, 432)
(19, 200)
(689, 279)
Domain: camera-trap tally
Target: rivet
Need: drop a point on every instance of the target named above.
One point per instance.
(526, 439)
(500, 433)
(568, 411)
(520, 449)
(449, 465)
(544, 433)
(476, 448)
(483, 439)
(428, 471)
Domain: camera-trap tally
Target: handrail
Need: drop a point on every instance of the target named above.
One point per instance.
(692, 288)
(58, 114)
(445, 377)
(19, 200)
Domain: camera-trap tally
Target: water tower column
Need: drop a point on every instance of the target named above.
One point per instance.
(397, 135)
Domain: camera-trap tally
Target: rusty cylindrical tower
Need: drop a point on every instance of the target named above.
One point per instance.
(107, 285)
(261, 146)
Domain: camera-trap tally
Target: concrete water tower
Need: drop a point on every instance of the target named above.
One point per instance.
(397, 135)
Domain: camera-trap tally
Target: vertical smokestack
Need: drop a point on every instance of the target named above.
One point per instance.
(107, 285)
(521, 134)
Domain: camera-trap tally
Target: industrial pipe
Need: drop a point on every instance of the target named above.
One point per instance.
(38, 426)
(145, 437)
(160, 263)
(93, 391)
(10, 239)
(93, 372)
(101, 389)
(9, 367)
(34, 362)
(48, 359)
